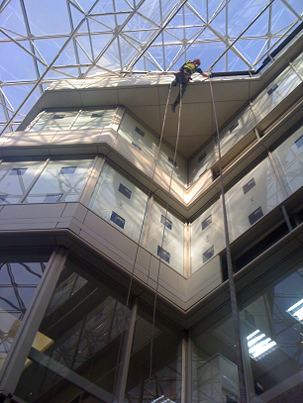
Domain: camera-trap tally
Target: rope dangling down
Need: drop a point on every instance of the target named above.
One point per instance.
(140, 237)
(232, 290)
(162, 242)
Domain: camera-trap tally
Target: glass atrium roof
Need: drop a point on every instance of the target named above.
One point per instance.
(44, 41)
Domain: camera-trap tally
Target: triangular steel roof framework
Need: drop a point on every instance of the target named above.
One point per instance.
(41, 42)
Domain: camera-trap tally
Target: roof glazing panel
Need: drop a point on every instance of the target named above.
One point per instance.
(45, 41)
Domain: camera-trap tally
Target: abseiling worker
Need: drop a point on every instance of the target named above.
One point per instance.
(184, 75)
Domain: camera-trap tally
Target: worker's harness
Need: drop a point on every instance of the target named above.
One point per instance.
(189, 68)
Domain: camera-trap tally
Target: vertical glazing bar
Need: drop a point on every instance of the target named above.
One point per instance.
(286, 218)
(188, 392)
(185, 368)
(18, 353)
(186, 247)
(126, 354)
(278, 176)
(91, 180)
(295, 70)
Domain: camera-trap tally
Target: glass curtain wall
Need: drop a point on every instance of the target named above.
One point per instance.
(245, 121)
(289, 159)
(165, 236)
(72, 120)
(146, 142)
(250, 199)
(120, 202)
(60, 181)
(87, 328)
(154, 377)
(18, 282)
(15, 179)
(207, 236)
(271, 326)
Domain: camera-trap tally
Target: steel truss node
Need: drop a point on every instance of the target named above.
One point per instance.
(70, 39)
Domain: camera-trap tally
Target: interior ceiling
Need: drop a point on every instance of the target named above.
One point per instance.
(46, 41)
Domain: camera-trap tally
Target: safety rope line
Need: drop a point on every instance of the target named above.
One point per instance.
(140, 236)
(232, 290)
(162, 241)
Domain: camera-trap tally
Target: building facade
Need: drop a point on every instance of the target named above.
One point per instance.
(113, 278)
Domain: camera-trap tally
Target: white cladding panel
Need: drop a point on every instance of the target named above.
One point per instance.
(289, 158)
(207, 236)
(119, 202)
(238, 128)
(137, 135)
(164, 225)
(276, 91)
(251, 198)
(202, 161)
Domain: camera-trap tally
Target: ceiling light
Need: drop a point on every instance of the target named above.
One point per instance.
(259, 345)
(296, 311)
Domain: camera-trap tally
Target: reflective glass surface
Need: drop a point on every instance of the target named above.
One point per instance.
(207, 236)
(18, 281)
(76, 120)
(289, 159)
(60, 181)
(271, 324)
(251, 198)
(156, 379)
(15, 178)
(82, 335)
(139, 136)
(119, 201)
(165, 237)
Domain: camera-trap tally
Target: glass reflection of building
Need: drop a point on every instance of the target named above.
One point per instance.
(113, 274)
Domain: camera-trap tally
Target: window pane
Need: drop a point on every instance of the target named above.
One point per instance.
(138, 136)
(164, 385)
(276, 91)
(207, 236)
(119, 201)
(81, 333)
(60, 181)
(202, 161)
(94, 119)
(289, 157)
(18, 281)
(15, 178)
(164, 225)
(54, 121)
(251, 198)
(271, 329)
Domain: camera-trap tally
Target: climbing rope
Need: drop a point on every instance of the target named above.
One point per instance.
(232, 290)
(138, 246)
(162, 241)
